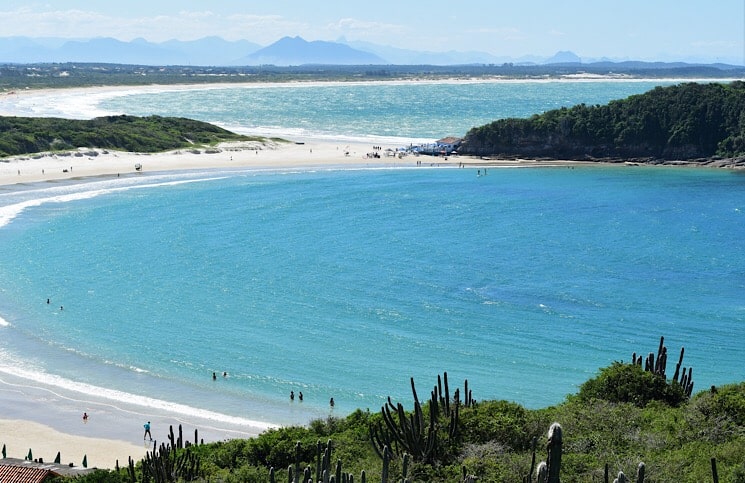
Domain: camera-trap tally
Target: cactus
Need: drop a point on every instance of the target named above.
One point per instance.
(657, 365)
(555, 440)
(319, 452)
(541, 472)
(414, 434)
(166, 464)
(533, 445)
(621, 478)
(640, 470)
(386, 463)
(297, 462)
(548, 471)
(131, 471)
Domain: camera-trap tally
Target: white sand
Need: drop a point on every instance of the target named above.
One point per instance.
(44, 442)
(89, 163)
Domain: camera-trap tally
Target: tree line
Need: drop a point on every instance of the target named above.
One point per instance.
(681, 122)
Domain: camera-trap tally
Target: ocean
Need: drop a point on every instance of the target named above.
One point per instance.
(346, 283)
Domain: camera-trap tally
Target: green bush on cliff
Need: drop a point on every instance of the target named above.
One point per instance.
(676, 442)
(628, 383)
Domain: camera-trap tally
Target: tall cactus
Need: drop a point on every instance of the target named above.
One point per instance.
(414, 433)
(548, 471)
(657, 365)
(411, 433)
(166, 464)
(386, 463)
(554, 446)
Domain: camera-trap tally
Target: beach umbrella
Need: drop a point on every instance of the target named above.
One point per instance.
(30, 456)
(85, 461)
(58, 458)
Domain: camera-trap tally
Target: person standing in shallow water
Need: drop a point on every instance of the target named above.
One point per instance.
(147, 432)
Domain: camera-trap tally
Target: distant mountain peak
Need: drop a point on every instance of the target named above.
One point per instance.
(564, 57)
(298, 51)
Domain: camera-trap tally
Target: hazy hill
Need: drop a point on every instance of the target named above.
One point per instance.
(288, 51)
(297, 51)
(203, 52)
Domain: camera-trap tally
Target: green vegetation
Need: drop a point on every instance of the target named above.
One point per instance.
(681, 122)
(23, 135)
(639, 430)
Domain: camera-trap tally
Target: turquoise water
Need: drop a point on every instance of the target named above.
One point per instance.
(346, 283)
(388, 110)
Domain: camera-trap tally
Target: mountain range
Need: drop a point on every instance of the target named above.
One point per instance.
(215, 51)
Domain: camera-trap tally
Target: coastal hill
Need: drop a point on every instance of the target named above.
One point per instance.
(22, 135)
(687, 121)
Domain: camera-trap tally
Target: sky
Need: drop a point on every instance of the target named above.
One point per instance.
(651, 30)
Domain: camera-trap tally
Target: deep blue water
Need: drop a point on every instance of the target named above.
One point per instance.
(346, 283)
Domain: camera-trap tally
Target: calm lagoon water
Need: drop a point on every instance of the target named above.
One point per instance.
(346, 283)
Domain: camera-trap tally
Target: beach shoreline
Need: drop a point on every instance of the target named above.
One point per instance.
(47, 421)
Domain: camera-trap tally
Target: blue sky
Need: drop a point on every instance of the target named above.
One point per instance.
(668, 30)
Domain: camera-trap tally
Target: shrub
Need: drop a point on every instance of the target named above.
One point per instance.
(628, 383)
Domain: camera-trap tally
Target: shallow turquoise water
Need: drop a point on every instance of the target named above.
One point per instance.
(346, 283)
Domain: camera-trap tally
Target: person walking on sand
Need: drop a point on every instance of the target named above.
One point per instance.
(147, 432)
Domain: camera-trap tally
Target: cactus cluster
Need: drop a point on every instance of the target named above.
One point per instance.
(658, 366)
(413, 433)
(323, 473)
(166, 464)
